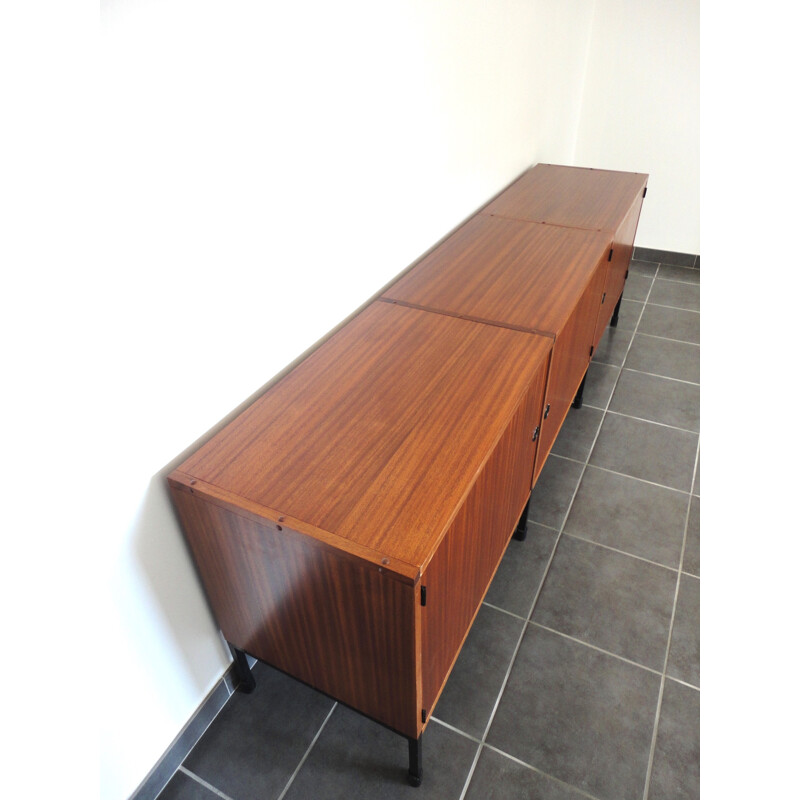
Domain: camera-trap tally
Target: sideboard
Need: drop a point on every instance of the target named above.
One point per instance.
(347, 524)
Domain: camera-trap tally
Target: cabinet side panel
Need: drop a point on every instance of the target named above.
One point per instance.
(463, 566)
(571, 355)
(340, 626)
(618, 268)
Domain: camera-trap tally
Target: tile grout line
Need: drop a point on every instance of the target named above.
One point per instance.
(654, 738)
(624, 475)
(544, 577)
(663, 377)
(622, 552)
(306, 754)
(199, 780)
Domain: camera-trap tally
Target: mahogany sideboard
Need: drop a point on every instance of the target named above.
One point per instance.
(347, 524)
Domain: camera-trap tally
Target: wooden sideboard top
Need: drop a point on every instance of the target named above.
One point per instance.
(375, 439)
(506, 271)
(578, 197)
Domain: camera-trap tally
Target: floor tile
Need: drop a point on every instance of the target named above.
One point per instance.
(553, 491)
(256, 742)
(637, 286)
(497, 777)
(675, 273)
(676, 762)
(357, 759)
(600, 381)
(579, 715)
(665, 357)
(684, 650)
(691, 555)
(646, 450)
(610, 600)
(671, 323)
(577, 434)
(675, 294)
(696, 484)
(657, 399)
(629, 515)
(642, 267)
(629, 313)
(613, 346)
(520, 572)
(477, 677)
(184, 787)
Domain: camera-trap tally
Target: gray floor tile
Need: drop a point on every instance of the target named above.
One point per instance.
(184, 787)
(613, 346)
(497, 777)
(664, 357)
(576, 437)
(658, 399)
(579, 715)
(675, 294)
(676, 762)
(629, 314)
(641, 267)
(629, 515)
(357, 759)
(691, 555)
(520, 572)
(696, 485)
(646, 450)
(675, 273)
(600, 381)
(256, 742)
(610, 600)
(637, 286)
(684, 650)
(671, 323)
(553, 492)
(477, 677)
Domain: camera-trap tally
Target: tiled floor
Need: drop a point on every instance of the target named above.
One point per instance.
(580, 677)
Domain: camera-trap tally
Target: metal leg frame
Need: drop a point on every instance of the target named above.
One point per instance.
(415, 761)
(615, 315)
(578, 401)
(522, 526)
(242, 670)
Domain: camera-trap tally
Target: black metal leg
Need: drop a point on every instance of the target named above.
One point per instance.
(522, 526)
(242, 671)
(415, 761)
(615, 315)
(578, 401)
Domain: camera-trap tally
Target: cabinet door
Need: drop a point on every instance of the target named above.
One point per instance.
(461, 569)
(572, 352)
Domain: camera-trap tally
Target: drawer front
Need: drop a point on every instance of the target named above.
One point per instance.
(459, 574)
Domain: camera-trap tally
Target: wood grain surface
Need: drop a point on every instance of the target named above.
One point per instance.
(378, 436)
(508, 272)
(577, 197)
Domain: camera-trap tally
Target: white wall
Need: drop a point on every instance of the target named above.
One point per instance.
(641, 111)
(267, 168)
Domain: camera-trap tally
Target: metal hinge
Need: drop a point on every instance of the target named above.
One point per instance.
(626, 274)
(423, 596)
(535, 434)
(610, 253)
(424, 714)
(644, 193)
(546, 410)
(591, 350)
(604, 299)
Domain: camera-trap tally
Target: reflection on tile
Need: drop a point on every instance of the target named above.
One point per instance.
(664, 357)
(472, 688)
(646, 450)
(577, 434)
(358, 759)
(184, 787)
(658, 399)
(684, 650)
(673, 272)
(610, 600)
(639, 266)
(520, 572)
(629, 515)
(579, 715)
(553, 492)
(600, 382)
(637, 287)
(676, 762)
(255, 743)
(499, 778)
(629, 313)
(613, 346)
